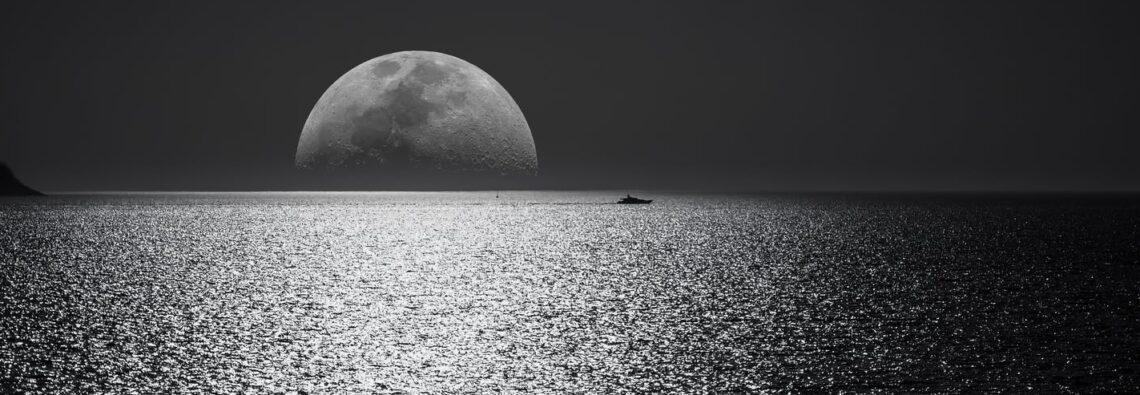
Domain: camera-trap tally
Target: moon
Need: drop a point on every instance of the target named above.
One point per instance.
(417, 111)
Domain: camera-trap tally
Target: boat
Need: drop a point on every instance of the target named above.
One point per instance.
(632, 200)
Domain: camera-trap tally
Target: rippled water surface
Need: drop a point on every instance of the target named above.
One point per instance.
(562, 292)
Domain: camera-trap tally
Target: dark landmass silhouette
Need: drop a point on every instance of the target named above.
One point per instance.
(11, 186)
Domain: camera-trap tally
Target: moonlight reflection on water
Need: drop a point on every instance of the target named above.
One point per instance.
(440, 292)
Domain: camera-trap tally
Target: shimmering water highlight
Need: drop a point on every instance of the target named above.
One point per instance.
(565, 292)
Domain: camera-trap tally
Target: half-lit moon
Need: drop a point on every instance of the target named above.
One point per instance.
(417, 110)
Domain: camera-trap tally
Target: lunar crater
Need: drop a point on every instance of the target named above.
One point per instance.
(386, 68)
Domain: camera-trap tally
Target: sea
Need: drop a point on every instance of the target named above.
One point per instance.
(567, 292)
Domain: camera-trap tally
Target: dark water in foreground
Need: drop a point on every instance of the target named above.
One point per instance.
(462, 292)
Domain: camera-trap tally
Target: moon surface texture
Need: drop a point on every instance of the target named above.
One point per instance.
(417, 111)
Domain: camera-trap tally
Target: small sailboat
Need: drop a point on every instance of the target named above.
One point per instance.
(632, 200)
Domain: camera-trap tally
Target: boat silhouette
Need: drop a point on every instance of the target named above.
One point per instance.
(632, 200)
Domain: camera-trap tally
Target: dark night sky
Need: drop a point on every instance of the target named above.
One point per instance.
(899, 95)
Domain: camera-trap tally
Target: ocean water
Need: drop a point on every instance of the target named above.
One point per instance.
(564, 292)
